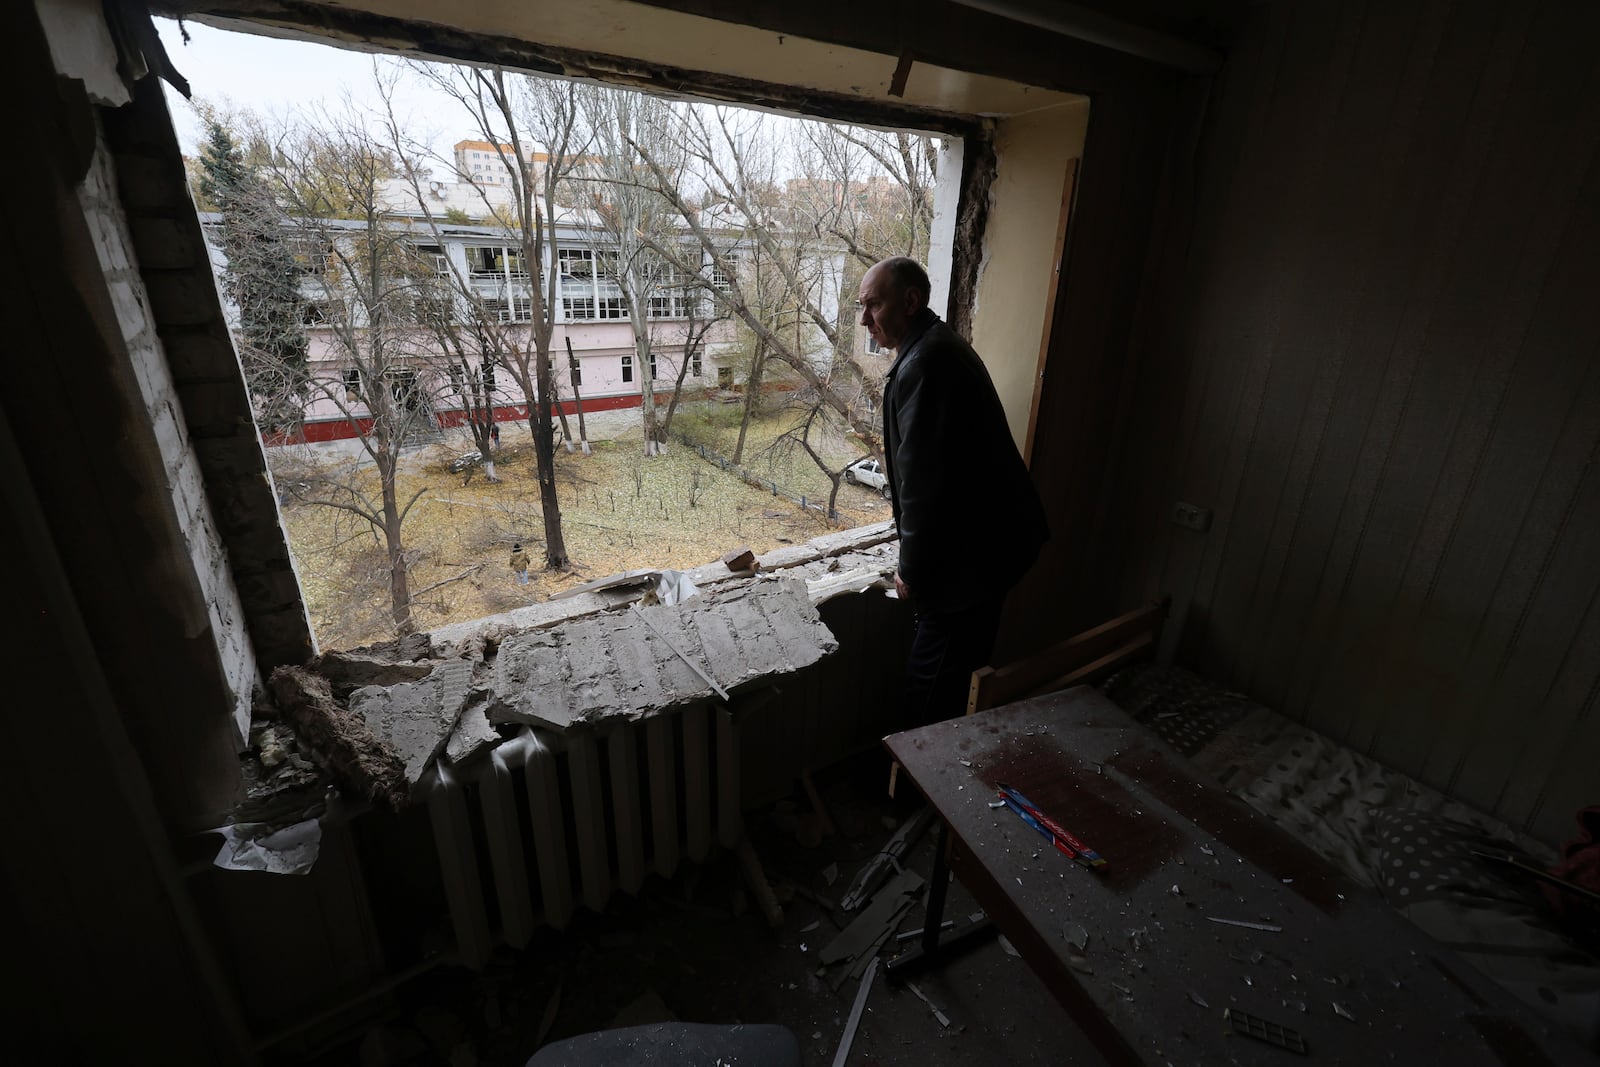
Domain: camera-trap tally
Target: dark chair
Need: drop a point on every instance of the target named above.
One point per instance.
(675, 1045)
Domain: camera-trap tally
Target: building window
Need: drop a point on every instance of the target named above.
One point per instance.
(431, 309)
(312, 313)
(627, 368)
(485, 260)
(506, 309)
(575, 262)
(653, 366)
(873, 347)
(488, 377)
(313, 255)
(403, 387)
(719, 277)
(352, 382)
(696, 367)
(577, 371)
(612, 307)
(669, 306)
(578, 307)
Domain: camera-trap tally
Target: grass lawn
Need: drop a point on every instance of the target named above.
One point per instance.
(620, 511)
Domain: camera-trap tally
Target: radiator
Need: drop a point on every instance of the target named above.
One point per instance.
(564, 820)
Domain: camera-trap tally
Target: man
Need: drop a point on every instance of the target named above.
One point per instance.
(969, 518)
(519, 564)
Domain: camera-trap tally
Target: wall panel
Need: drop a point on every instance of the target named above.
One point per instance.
(1375, 357)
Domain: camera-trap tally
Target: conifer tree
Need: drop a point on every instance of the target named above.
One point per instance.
(261, 277)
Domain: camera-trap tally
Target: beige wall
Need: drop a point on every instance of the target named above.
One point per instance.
(1032, 153)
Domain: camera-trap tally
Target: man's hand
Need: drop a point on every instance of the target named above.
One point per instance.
(900, 589)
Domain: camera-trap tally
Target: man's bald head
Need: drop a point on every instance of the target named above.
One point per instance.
(893, 292)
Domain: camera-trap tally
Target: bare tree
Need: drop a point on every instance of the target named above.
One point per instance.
(634, 220)
(729, 153)
(359, 279)
(870, 189)
(514, 112)
(817, 421)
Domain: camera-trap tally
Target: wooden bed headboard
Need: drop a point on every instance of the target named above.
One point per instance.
(1087, 657)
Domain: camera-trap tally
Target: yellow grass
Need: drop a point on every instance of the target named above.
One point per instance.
(620, 511)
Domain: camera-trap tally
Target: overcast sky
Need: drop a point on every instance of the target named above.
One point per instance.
(274, 77)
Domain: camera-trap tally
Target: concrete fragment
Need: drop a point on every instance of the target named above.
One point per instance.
(471, 734)
(351, 670)
(740, 559)
(416, 718)
(627, 579)
(632, 664)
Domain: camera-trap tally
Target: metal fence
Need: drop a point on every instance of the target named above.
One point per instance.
(759, 481)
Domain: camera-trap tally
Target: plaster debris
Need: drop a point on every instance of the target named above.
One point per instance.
(825, 587)
(351, 670)
(471, 734)
(740, 559)
(416, 718)
(944, 1020)
(624, 665)
(1264, 927)
(877, 870)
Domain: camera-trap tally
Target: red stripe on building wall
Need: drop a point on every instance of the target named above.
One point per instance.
(343, 429)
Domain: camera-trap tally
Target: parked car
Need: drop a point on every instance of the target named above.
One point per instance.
(868, 472)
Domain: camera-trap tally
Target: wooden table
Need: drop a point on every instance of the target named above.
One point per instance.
(1156, 974)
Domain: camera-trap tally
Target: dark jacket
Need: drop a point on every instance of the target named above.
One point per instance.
(969, 517)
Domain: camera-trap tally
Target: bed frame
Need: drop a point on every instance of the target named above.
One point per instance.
(1080, 660)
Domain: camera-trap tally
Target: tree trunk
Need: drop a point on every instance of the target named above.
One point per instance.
(647, 383)
(577, 398)
(752, 388)
(399, 590)
(544, 449)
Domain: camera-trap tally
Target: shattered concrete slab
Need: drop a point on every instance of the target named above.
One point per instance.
(352, 670)
(471, 734)
(628, 664)
(416, 718)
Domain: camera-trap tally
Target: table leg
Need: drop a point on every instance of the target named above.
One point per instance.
(932, 947)
(936, 890)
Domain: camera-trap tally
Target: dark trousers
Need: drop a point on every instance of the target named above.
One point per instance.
(947, 648)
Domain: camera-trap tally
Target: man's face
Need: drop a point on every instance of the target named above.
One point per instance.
(885, 311)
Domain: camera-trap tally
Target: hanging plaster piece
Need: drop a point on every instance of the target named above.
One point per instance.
(471, 734)
(416, 718)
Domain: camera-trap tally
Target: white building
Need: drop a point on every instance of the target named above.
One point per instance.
(478, 270)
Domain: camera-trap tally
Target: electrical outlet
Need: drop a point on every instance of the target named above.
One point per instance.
(1192, 516)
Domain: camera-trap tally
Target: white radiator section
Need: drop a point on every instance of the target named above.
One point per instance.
(635, 799)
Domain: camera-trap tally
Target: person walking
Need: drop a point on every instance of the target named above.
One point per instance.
(969, 519)
(519, 564)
